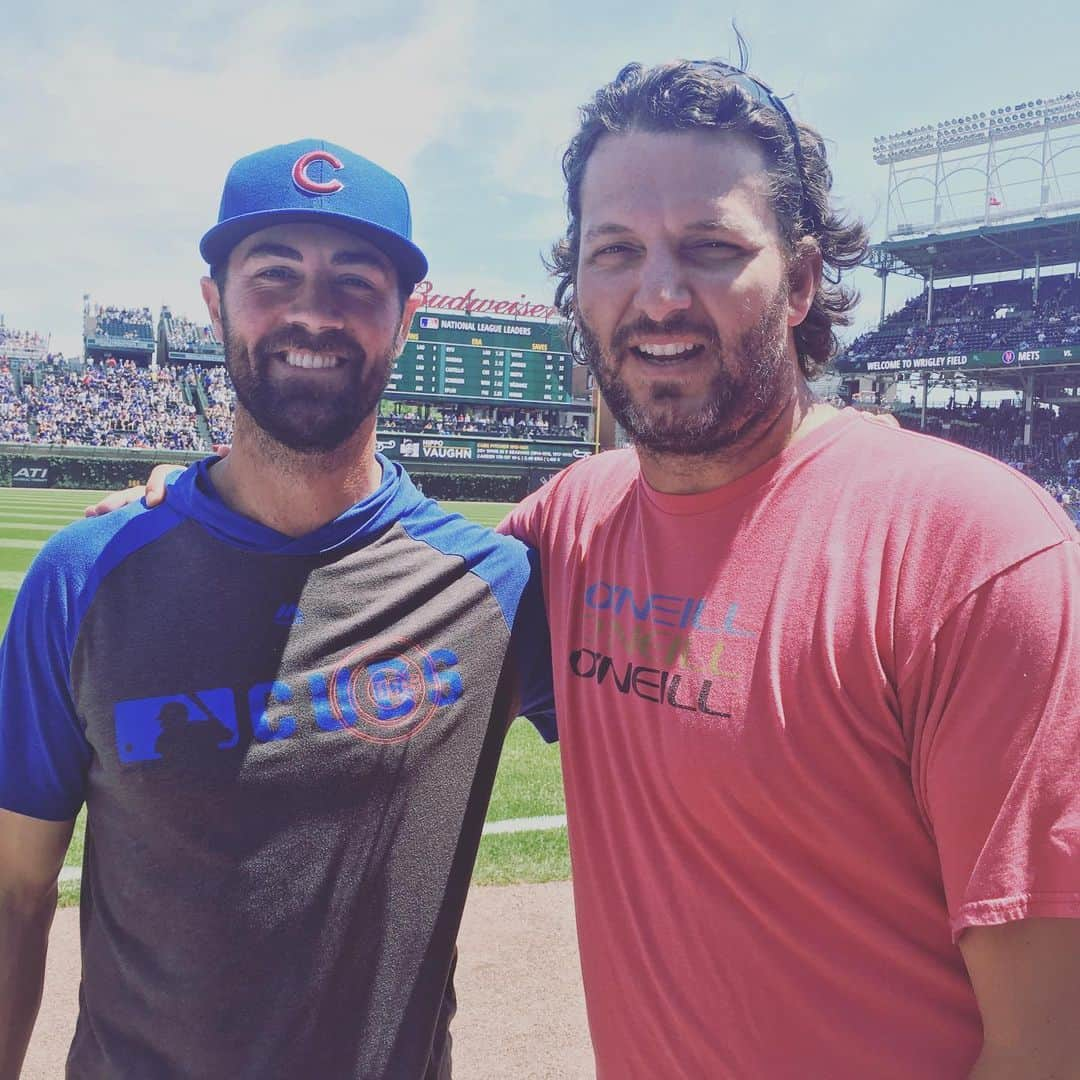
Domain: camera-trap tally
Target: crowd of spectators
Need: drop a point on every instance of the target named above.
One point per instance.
(117, 403)
(22, 341)
(970, 318)
(220, 400)
(189, 336)
(114, 403)
(463, 423)
(120, 403)
(1052, 458)
(14, 424)
(134, 324)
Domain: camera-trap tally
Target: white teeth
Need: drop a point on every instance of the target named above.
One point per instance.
(309, 360)
(666, 350)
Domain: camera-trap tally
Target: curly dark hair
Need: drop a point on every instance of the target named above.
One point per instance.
(686, 95)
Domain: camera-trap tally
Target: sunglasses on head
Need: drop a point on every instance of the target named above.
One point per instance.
(763, 95)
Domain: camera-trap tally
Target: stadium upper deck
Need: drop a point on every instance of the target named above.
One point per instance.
(181, 340)
(22, 344)
(985, 210)
(972, 318)
(120, 332)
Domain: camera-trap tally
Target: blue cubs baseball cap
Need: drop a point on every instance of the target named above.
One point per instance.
(317, 181)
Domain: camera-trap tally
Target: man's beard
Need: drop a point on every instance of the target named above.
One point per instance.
(751, 376)
(299, 413)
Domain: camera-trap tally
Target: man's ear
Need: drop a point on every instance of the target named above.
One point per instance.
(211, 294)
(804, 279)
(411, 307)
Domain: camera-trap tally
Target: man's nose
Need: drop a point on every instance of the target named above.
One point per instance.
(662, 286)
(315, 306)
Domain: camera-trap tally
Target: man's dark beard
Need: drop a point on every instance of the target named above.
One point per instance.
(740, 396)
(298, 413)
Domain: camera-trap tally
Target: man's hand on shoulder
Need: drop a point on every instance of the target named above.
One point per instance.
(153, 491)
(117, 500)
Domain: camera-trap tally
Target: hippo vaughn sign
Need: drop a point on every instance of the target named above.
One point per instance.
(472, 304)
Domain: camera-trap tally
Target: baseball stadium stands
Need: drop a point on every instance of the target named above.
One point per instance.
(967, 318)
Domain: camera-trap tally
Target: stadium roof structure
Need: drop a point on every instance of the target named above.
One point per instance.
(987, 249)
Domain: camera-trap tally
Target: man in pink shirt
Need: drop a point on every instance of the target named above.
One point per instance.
(817, 678)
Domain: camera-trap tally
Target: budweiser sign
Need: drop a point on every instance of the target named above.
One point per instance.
(470, 303)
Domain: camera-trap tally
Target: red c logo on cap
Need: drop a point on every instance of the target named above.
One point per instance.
(314, 187)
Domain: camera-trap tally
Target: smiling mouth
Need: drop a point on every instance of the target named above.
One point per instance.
(667, 354)
(309, 360)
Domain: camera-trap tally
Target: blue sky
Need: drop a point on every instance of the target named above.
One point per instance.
(118, 122)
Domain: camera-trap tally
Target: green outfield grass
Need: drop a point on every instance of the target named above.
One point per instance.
(19, 531)
(483, 513)
(17, 558)
(529, 781)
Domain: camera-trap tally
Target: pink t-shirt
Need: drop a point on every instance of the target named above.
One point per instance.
(814, 724)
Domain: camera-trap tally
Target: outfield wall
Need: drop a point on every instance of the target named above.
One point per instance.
(107, 468)
(88, 467)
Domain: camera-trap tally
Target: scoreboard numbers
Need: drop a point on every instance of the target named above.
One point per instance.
(475, 358)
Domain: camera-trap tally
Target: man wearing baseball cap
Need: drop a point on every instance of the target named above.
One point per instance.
(281, 831)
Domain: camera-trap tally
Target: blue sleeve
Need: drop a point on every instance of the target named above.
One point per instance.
(44, 755)
(532, 648)
(44, 752)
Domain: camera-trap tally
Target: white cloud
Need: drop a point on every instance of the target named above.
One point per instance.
(116, 132)
(115, 160)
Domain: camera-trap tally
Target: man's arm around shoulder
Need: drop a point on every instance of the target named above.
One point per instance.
(31, 854)
(1026, 976)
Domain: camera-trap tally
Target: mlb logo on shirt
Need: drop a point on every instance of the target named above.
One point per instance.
(429, 322)
(148, 729)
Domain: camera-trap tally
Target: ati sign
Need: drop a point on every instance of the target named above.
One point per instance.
(26, 473)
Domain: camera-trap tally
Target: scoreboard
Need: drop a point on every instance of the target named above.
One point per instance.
(483, 360)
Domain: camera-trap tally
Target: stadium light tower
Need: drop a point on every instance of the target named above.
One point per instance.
(1018, 151)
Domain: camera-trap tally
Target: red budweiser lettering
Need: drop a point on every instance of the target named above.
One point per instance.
(471, 304)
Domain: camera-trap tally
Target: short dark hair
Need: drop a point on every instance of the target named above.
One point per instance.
(687, 95)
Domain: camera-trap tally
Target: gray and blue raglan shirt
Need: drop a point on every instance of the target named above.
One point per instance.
(286, 748)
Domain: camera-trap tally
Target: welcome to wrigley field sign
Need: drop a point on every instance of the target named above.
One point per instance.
(994, 359)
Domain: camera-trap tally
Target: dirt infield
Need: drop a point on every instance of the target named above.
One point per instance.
(521, 1015)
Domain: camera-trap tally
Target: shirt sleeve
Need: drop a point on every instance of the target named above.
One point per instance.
(525, 520)
(995, 704)
(44, 753)
(532, 647)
